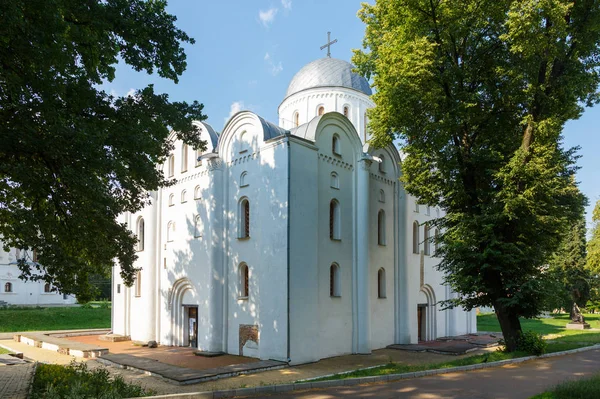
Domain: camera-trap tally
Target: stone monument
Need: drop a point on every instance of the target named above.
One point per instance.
(577, 319)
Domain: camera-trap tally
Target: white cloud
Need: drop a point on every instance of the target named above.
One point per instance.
(130, 93)
(274, 67)
(267, 17)
(287, 4)
(252, 83)
(235, 107)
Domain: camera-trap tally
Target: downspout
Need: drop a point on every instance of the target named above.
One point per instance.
(289, 168)
(159, 261)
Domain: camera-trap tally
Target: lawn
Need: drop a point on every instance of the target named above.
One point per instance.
(586, 388)
(4, 351)
(39, 319)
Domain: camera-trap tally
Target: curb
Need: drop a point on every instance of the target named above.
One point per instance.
(230, 393)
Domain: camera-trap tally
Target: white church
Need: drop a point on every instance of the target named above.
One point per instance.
(292, 242)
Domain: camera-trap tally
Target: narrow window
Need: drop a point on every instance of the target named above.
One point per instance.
(170, 231)
(171, 199)
(335, 181)
(138, 284)
(184, 158)
(321, 110)
(243, 179)
(47, 288)
(382, 164)
(296, 119)
(346, 111)
(426, 240)
(416, 206)
(381, 227)
(35, 255)
(8, 287)
(197, 192)
(416, 237)
(427, 210)
(334, 280)
(244, 281)
(171, 166)
(17, 253)
(140, 234)
(197, 226)
(381, 283)
(198, 155)
(244, 218)
(436, 241)
(381, 196)
(118, 289)
(183, 196)
(335, 144)
(334, 220)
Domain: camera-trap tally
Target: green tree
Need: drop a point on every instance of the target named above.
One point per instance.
(72, 157)
(593, 246)
(478, 93)
(567, 266)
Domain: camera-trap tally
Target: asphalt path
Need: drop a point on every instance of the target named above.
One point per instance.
(518, 381)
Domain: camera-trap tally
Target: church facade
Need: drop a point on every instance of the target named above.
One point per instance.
(292, 242)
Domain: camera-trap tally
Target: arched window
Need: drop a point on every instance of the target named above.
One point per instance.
(171, 166)
(436, 241)
(243, 179)
(381, 196)
(335, 180)
(184, 158)
(416, 206)
(244, 218)
(346, 111)
(335, 144)
(34, 255)
(382, 164)
(296, 119)
(197, 192)
(47, 288)
(381, 283)
(366, 122)
(198, 155)
(138, 284)
(244, 287)
(183, 196)
(426, 239)
(197, 226)
(321, 110)
(171, 199)
(140, 234)
(17, 253)
(334, 280)
(334, 220)
(170, 231)
(8, 287)
(381, 227)
(415, 237)
(427, 210)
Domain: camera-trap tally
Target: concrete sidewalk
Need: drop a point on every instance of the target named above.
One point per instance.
(15, 381)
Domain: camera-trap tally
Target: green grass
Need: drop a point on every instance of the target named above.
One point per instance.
(39, 319)
(580, 389)
(555, 325)
(397, 368)
(4, 351)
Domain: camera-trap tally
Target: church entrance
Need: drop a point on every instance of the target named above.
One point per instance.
(191, 325)
(421, 321)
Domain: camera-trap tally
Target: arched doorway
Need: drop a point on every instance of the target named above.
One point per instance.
(184, 314)
(426, 314)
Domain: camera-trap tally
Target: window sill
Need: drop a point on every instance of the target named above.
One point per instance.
(335, 188)
(170, 205)
(244, 185)
(337, 154)
(335, 296)
(242, 298)
(335, 239)
(382, 297)
(243, 238)
(244, 151)
(138, 296)
(382, 245)
(183, 202)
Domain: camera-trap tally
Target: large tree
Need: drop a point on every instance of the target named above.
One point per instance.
(72, 157)
(478, 93)
(593, 246)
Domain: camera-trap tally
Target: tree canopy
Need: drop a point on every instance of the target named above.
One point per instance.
(72, 157)
(478, 93)
(593, 246)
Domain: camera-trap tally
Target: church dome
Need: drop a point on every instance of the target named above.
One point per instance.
(328, 72)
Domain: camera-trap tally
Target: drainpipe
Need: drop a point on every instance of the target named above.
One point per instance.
(289, 167)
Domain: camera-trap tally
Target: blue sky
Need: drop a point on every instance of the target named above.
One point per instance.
(247, 52)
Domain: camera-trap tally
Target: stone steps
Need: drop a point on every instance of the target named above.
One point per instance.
(60, 345)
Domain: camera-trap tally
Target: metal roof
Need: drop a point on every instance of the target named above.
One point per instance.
(328, 72)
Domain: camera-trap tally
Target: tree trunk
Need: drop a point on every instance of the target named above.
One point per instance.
(510, 325)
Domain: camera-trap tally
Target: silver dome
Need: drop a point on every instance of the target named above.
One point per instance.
(328, 72)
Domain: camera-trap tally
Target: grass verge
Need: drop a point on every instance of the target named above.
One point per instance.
(585, 388)
(56, 318)
(77, 381)
(4, 351)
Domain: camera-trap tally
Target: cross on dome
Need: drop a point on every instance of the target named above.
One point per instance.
(328, 45)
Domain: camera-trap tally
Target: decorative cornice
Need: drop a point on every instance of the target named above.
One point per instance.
(336, 161)
(243, 159)
(382, 179)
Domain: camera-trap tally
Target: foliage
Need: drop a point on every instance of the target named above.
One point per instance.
(77, 381)
(72, 157)
(550, 325)
(593, 248)
(577, 389)
(567, 267)
(532, 342)
(55, 318)
(478, 94)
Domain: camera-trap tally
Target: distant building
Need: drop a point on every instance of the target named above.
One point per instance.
(294, 242)
(14, 291)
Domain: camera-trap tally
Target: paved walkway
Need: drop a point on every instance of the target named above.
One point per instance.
(15, 381)
(517, 381)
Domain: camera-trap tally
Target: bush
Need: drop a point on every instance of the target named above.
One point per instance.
(532, 342)
(86, 305)
(76, 381)
(104, 304)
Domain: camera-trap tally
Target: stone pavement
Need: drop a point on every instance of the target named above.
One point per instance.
(15, 381)
(458, 345)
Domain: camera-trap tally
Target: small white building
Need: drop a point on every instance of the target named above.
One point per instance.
(14, 291)
(293, 242)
